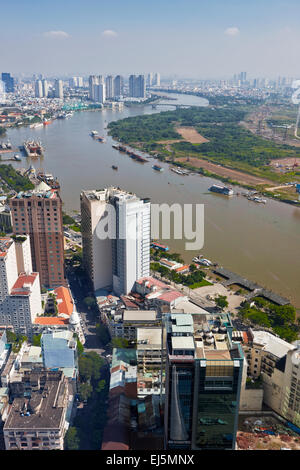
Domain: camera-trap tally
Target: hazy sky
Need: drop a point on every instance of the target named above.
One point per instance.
(190, 38)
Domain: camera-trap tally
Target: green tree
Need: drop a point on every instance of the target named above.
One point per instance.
(102, 333)
(85, 391)
(101, 386)
(221, 301)
(119, 343)
(36, 340)
(72, 441)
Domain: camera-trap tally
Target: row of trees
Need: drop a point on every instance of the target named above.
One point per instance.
(194, 277)
(281, 319)
(14, 179)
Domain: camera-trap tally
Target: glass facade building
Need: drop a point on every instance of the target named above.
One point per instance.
(203, 381)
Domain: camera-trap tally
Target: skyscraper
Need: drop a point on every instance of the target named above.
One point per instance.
(45, 88)
(39, 89)
(95, 93)
(204, 371)
(100, 93)
(59, 90)
(118, 86)
(150, 79)
(156, 79)
(137, 86)
(9, 82)
(117, 261)
(109, 86)
(39, 213)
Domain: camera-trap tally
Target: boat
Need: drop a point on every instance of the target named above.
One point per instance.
(33, 148)
(100, 139)
(159, 246)
(45, 123)
(157, 168)
(94, 133)
(227, 191)
(36, 125)
(17, 157)
(257, 199)
(114, 167)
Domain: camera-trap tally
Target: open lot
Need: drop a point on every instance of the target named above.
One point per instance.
(233, 300)
(191, 135)
(243, 178)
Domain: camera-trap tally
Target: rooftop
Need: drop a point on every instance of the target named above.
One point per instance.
(44, 409)
(139, 315)
(272, 344)
(5, 243)
(23, 284)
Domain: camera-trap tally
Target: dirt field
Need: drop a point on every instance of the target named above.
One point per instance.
(235, 175)
(285, 162)
(191, 135)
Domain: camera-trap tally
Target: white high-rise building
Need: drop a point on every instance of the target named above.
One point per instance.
(39, 89)
(150, 79)
(95, 93)
(116, 262)
(45, 88)
(59, 90)
(20, 295)
(157, 79)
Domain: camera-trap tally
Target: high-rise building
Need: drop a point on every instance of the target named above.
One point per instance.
(80, 82)
(118, 86)
(9, 82)
(39, 213)
(45, 88)
(150, 79)
(20, 295)
(95, 93)
(59, 90)
(39, 89)
(109, 86)
(157, 79)
(117, 261)
(137, 86)
(100, 93)
(204, 371)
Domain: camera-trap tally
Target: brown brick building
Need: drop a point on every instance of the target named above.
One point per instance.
(38, 213)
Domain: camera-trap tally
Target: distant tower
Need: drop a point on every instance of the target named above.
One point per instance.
(118, 86)
(45, 88)
(59, 91)
(109, 86)
(39, 89)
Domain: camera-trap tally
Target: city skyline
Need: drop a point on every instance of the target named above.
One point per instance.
(194, 39)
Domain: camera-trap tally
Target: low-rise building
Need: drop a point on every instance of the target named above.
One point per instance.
(124, 323)
(37, 418)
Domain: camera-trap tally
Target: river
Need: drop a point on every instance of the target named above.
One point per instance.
(260, 242)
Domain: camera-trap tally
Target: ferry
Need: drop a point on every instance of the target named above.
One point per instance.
(157, 168)
(159, 246)
(200, 260)
(33, 148)
(227, 191)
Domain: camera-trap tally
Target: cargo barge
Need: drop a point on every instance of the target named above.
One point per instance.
(227, 191)
(33, 148)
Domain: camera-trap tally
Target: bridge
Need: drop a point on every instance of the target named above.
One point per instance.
(177, 106)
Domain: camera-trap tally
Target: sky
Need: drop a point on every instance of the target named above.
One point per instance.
(183, 38)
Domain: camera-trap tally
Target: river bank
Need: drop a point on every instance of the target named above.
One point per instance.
(258, 241)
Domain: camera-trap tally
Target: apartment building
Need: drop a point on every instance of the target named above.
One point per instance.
(39, 214)
(20, 296)
(115, 259)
